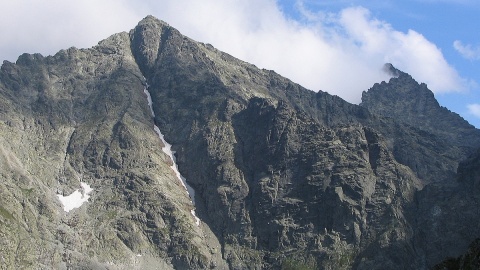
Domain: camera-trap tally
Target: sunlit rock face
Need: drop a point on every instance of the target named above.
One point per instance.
(111, 156)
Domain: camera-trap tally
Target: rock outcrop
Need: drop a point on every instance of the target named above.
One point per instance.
(284, 177)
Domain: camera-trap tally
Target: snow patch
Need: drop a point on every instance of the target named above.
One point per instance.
(149, 100)
(167, 149)
(197, 220)
(77, 198)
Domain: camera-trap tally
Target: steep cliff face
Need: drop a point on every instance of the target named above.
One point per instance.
(448, 216)
(469, 260)
(283, 176)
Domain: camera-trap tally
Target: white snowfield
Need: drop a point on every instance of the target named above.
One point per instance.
(77, 198)
(167, 149)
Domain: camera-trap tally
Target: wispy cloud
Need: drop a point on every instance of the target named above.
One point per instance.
(341, 52)
(474, 109)
(467, 51)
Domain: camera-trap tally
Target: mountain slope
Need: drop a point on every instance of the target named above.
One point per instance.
(82, 116)
(283, 176)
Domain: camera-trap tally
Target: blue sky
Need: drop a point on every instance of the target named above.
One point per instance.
(336, 46)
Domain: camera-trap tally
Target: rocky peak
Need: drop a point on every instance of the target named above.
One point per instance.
(147, 39)
(402, 97)
(412, 103)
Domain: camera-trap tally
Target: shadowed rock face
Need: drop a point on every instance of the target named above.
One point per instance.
(284, 177)
(470, 260)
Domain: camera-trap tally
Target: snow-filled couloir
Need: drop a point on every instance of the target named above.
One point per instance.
(167, 149)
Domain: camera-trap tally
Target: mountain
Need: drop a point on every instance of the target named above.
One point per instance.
(279, 176)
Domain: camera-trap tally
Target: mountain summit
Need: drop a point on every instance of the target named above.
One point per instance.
(270, 175)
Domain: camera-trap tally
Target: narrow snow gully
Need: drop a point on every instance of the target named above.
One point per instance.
(167, 149)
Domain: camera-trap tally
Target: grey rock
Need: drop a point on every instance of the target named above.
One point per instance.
(284, 177)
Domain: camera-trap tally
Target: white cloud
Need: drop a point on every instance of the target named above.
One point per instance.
(410, 52)
(474, 109)
(48, 26)
(341, 53)
(467, 51)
